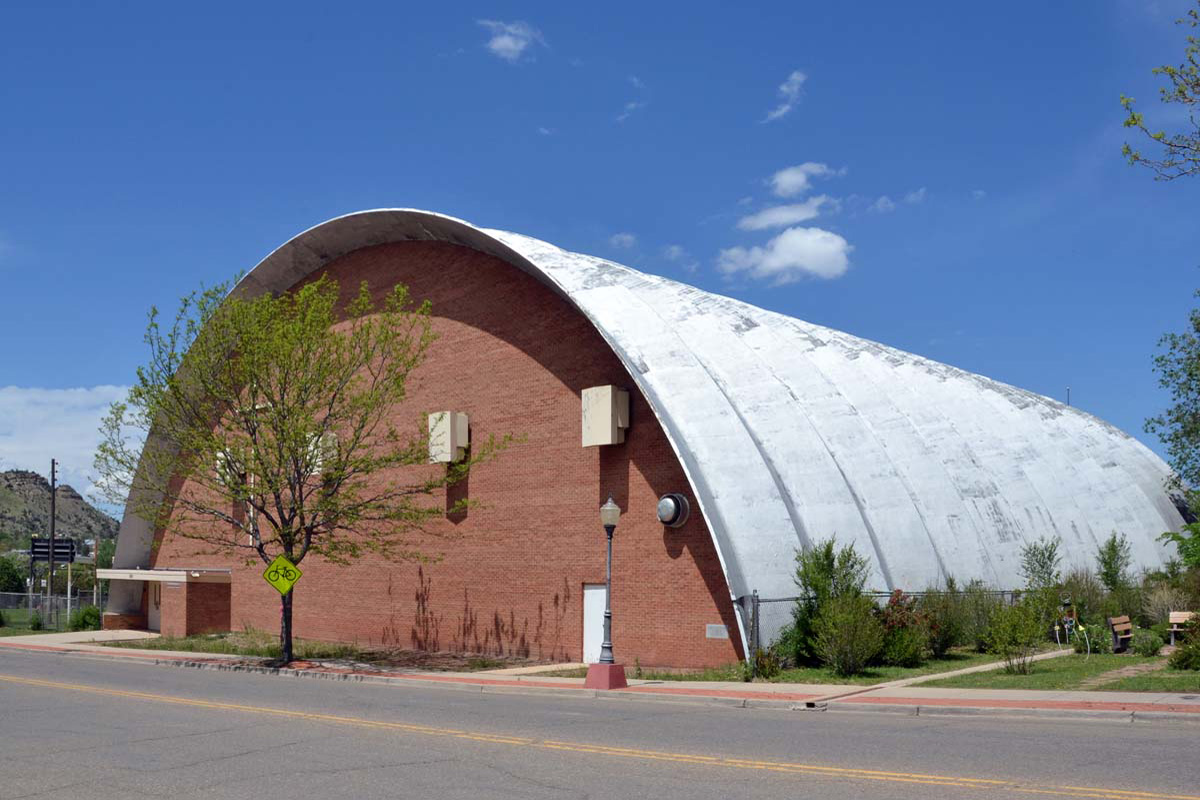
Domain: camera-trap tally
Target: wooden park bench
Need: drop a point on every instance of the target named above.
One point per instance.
(1122, 632)
(1177, 619)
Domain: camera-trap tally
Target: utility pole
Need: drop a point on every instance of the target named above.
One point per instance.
(53, 493)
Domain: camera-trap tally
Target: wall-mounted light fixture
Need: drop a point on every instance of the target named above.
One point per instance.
(673, 510)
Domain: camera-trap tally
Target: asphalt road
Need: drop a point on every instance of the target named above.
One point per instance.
(78, 727)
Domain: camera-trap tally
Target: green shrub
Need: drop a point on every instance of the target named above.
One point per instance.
(1160, 599)
(945, 618)
(904, 632)
(1187, 651)
(823, 574)
(1097, 636)
(1113, 560)
(35, 621)
(12, 578)
(1039, 563)
(848, 634)
(904, 647)
(1145, 643)
(1046, 605)
(1127, 601)
(85, 619)
(766, 663)
(1015, 634)
(1085, 592)
(979, 606)
(1186, 656)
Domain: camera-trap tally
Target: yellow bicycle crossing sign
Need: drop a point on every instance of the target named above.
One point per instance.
(282, 574)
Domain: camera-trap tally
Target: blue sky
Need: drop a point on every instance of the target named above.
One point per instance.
(942, 177)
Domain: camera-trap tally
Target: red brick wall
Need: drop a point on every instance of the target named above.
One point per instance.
(173, 619)
(192, 608)
(510, 574)
(122, 622)
(208, 607)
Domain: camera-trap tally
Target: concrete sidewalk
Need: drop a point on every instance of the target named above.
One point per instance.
(896, 697)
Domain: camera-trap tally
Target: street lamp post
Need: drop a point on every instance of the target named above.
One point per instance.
(607, 674)
(610, 512)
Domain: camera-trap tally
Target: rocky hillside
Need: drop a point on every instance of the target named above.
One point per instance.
(25, 511)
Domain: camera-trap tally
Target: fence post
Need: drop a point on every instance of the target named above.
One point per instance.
(754, 634)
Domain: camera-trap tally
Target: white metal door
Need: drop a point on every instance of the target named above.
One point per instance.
(154, 606)
(593, 621)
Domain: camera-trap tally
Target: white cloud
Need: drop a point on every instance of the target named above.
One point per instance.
(677, 254)
(545, 131)
(39, 424)
(783, 216)
(630, 107)
(978, 194)
(915, 196)
(792, 255)
(510, 40)
(791, 181)
(637, 82)
(789, 95)
(883, 205)
(623, 241)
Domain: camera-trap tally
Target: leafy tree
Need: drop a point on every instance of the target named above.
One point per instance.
(105, 550)
(11, 577)
(277, 410)
(1178, 368)
(1187, 542)
(1113, 560)
(1178, 154)
(1039, 563)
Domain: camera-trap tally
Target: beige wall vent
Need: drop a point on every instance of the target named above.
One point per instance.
(449, 436)
(605, 415)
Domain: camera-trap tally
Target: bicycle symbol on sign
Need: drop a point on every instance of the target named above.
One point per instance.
(281, 572)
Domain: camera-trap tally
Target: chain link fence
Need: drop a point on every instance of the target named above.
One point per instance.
(29, 613)
(765, 617)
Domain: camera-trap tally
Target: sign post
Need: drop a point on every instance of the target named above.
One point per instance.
(61, 552)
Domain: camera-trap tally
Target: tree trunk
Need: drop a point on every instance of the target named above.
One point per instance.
(285, 629)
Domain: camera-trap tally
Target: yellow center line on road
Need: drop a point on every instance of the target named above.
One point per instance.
(781, 767)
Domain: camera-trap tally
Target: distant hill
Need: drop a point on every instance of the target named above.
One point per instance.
(25, 511)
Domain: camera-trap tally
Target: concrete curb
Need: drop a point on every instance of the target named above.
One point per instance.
(766, 702)
(1063, 714)
(910, 710)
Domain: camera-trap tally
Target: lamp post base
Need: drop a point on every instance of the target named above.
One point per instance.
(605, 676)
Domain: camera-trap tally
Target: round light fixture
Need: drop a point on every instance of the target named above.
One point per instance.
(673, 510)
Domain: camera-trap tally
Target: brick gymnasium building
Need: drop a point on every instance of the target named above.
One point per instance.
(773, 432)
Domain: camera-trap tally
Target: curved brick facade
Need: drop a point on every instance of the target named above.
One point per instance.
(515, 357)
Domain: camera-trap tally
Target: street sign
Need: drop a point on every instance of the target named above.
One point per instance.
(282, 574)
(64, 550)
